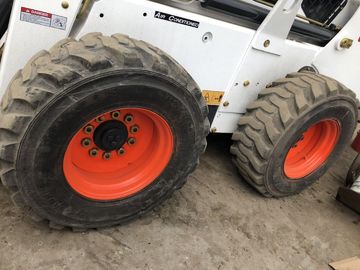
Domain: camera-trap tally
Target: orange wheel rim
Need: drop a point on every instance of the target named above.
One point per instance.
(312, 150)
(118, 154)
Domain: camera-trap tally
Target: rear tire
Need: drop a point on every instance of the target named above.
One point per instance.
(54, 97)
(310, 112)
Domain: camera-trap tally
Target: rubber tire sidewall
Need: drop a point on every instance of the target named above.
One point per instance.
(40, 160)
(341, 110)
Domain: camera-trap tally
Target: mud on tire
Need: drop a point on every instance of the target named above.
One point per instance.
(275, 122)
(60, 90)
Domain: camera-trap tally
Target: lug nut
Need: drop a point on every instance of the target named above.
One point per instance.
(129, 118)
(106, 155)
(89, 129)
(134, 129)
(131, 141)
(121, 152)
(93, 152)
(115, 115)
(100, 119)
(86, 142)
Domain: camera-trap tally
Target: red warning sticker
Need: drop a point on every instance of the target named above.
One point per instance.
(43, 18)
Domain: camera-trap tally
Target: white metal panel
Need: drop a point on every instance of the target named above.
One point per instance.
(260, 69)
(343, 65)
(344, 16)
(276, 27)
(25, 39)
(210, 63)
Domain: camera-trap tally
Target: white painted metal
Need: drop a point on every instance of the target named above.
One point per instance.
(261, 65)
(346, 13)
(26, 39)
(223, 62)
(276, 27)
(210, 63)
(342, 65)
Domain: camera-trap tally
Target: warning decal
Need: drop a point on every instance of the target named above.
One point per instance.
(43, 18)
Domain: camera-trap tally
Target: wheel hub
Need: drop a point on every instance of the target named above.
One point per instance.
(312, 150)
(118, 153)
(111, 135)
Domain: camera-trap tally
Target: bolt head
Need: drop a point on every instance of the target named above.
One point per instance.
(100, 119)
(134, 129)
(267, 43)
(128, 118)
(121, 152)
(89, 129)
(346, 43)
(107, 155)
(246, 83)
(226, 103)
(213, 130)
(86, 142)
(93, 152)
(65, 4)
(115, 115)
(131, 141)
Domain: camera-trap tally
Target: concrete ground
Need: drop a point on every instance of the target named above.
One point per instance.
(215, 222)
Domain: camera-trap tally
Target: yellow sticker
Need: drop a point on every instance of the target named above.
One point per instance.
(213, 97)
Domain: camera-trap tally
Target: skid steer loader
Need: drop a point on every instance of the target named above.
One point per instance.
(106, 105)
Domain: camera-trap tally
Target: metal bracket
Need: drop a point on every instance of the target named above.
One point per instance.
(272, 33)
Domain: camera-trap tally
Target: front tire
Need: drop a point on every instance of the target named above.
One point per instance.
(139, 109)
(293, 133)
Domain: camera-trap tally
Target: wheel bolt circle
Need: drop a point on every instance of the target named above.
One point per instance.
(93, 152)
(86, 142)
(131, 141)
(115, 115)
(106, 155)
(134, 129)
(128, 118)
(121, 152)
(89, 129)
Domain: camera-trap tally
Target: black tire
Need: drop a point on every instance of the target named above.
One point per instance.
(61, 90)
(5, 11)
(277, 119)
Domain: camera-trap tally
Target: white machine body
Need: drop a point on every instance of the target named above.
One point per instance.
(220, 56)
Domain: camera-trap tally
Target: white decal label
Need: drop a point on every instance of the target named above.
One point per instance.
(43, 18)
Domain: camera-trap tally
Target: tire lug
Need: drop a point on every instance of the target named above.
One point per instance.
(93, 152)
(134, 129)
(115, 115)
(131, 141)
(107, 155)
(128, 118)
(89, 129)
(121, 152)
(86, 142)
